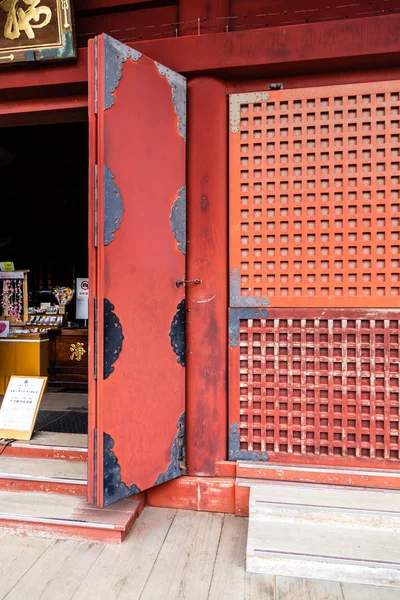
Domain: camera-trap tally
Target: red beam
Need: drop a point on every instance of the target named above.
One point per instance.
(128, 26)
(204, 16)
(338, 45)
(43, 104)
(85, 5)
(265, 49)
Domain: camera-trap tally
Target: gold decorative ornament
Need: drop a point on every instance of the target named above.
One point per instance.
(77, 351)
(36, 30)
(21, 20)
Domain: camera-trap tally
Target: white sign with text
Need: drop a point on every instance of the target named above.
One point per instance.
(20, 407)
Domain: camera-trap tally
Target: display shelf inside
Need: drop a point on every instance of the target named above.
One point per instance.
(14, 296)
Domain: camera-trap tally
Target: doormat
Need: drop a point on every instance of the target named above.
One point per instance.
(62, 422)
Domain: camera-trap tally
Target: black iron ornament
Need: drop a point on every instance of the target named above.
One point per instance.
(237, 300)
(177, 333)
(177, 465)
(235, 314)
(113, 206)
(115, 55)
(114, 488)
(234, 447)
(178, 88)
(178, 219)
(113, 338)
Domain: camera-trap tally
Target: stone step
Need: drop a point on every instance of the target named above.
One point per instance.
(325, 532)
(66, 517)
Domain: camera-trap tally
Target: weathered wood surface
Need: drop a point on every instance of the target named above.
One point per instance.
(49, 438)
(174, 555)
(42, 469)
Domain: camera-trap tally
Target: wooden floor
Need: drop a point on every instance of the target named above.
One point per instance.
(169, 555)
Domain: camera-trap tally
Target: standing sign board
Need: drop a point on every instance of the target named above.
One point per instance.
(35, 30)
(20, 407)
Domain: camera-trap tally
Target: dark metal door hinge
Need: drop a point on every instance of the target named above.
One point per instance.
(181, 447)
(95, 338)
(96, 202)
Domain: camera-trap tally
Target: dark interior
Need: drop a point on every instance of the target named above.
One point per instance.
(44, 180)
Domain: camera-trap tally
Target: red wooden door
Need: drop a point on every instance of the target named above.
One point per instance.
(136, 427)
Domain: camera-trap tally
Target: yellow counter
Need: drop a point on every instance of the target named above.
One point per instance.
(23, 356)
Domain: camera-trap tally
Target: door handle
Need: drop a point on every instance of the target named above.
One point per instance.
(185, 281)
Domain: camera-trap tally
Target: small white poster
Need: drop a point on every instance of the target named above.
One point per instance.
(82, 298)
(20, 407)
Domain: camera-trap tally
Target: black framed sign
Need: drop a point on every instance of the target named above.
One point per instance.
(36, 30)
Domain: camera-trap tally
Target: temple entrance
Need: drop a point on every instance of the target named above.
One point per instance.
(44, 257)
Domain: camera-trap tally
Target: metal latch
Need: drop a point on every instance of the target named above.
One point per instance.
(185, 281)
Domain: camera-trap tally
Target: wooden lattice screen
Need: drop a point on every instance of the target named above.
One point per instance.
(315, 195)
(315, 237)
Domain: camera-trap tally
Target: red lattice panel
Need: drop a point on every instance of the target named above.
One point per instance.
(315, 196)
(320, 384)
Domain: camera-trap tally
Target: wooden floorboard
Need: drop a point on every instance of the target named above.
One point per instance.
(46, 568)
(121, 572)
(75, 569)
(230, 580)
(169, 555)
(185, 564)
(296, 588)
(353, 591)
(17, 555)
(323, 590)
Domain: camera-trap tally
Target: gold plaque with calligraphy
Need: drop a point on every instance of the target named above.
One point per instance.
(36, 30)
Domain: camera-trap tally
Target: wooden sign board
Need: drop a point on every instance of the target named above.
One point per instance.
(20, 407)
(36, 30)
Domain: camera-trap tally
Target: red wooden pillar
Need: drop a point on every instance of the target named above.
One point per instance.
(207, 259)
(203, 16)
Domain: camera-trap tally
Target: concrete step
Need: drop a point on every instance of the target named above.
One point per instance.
(45, 444)
(43, 475)
(325, 504)
(60, 516)
(325, 532)
(334, 475)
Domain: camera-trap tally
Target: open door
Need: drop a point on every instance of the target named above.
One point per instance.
(137, 257)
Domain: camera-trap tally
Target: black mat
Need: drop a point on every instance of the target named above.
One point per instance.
(62, 421)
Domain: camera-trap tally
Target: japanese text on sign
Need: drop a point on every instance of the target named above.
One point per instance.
(20, 405)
